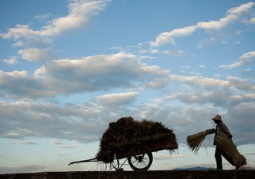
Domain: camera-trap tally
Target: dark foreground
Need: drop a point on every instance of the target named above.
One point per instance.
(166, 174)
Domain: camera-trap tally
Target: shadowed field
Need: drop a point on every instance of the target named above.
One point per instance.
(180, 174)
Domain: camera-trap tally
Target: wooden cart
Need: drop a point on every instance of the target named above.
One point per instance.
(139, 156)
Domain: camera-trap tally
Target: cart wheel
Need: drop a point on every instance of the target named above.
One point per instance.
(140, 158)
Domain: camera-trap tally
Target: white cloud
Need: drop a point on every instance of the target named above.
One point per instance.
(212, 84)
(43, 17)
(252, 21)
(168, 37)
(156, 83)
(245, 59)
(194, 98)
(19, 84)
(36, 54)
(205, 82)
(117, 99)
(209, 40)
(241, 84)
(232, 15)
(189, 100)
(173, 52)
(248, 55)
(10, 61)
(18, 32)
(18, 44)
(201, 66)
(93, 73)
(80, 12)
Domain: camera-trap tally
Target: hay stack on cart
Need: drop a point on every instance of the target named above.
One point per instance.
(133, 141)
(126, 132)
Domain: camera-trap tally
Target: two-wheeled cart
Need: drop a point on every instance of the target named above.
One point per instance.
(139, 155)
(133, 141)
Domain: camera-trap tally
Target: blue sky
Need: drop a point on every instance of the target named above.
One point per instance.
(68, 68)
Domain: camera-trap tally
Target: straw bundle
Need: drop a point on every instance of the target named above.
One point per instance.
(229, 147)
(127, 132)
(194, 141)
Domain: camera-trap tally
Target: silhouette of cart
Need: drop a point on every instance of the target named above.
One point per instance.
(139, 155)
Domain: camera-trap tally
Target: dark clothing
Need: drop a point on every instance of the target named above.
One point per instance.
(218, 154)
(221, 127)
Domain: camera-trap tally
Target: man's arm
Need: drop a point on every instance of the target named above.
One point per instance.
(225, 129)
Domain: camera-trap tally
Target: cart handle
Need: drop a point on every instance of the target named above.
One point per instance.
(89, 160)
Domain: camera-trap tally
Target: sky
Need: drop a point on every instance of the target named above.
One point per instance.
(70, 67)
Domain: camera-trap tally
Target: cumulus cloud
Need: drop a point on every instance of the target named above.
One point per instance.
(19, 31)
(252, 21)
(11, 60)
(43, 17)
(231, 16)
(118, 99)
(46, 120)
(168, 37)
(181, 110)
(19, 83)
(35, 54)
(93, 73)
(80, 11)
(18, 44)
(245, 59)
(79, 14)
(173, 52)
(184, 102)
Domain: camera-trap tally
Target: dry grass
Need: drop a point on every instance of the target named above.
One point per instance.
(229, 147)
(194, 141)
(127, 132)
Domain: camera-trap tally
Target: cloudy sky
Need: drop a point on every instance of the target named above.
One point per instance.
(68, 68)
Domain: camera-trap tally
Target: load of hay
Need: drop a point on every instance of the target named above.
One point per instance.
(194, 141)
(128, 132)
(229, 147)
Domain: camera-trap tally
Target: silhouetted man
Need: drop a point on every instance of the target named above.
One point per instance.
(221, 127)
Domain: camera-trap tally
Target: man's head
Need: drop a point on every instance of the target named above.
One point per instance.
(217, 119)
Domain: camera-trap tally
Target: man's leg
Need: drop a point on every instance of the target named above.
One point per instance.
(218, 158)
(228, 158)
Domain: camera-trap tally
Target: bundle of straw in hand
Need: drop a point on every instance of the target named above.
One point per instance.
(229, 147)
(194, 141)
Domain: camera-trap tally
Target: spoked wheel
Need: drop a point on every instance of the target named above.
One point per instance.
(140, 158)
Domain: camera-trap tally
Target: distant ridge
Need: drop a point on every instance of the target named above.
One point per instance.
(205, 168)
(194, 168)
